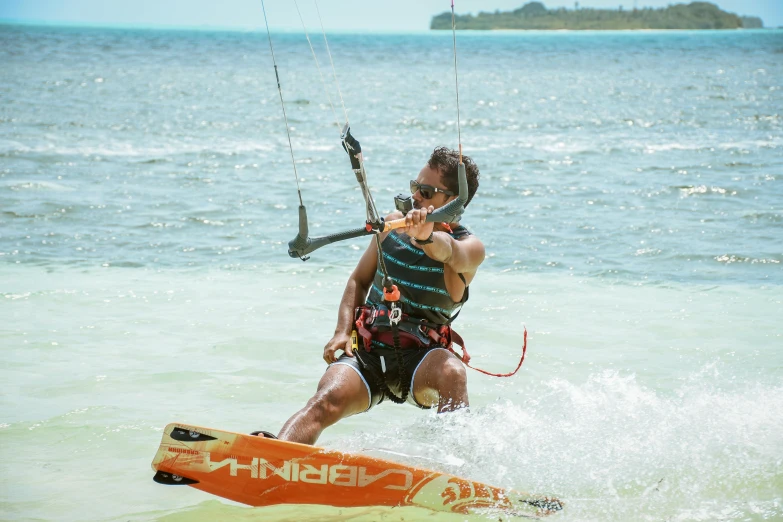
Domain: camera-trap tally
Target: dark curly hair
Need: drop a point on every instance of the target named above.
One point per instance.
(445, 160)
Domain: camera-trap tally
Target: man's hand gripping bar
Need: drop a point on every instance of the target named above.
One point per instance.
(451, 212)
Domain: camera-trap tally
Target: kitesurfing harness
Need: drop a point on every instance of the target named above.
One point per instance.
(373, 323)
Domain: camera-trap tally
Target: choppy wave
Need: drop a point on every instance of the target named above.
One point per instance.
(731, 258)
(613, 448)
(157, 154)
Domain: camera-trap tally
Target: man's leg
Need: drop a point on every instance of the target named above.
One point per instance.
(340, 393)
(441, 380)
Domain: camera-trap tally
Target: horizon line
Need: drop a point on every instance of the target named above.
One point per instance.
(260, 28)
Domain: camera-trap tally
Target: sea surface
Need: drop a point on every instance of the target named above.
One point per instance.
(631, 204)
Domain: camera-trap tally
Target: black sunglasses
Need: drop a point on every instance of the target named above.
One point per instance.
(427, 191)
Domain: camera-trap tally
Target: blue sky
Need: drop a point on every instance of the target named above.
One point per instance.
(342, 15)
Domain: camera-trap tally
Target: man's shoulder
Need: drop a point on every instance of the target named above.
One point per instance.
(461, 232)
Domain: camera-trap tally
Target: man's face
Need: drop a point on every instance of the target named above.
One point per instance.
(430, 178)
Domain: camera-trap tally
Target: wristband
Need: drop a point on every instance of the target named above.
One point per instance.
(424, 241)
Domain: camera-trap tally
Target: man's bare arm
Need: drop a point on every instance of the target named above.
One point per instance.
(463, 255)
(356, 289)
(354, 295)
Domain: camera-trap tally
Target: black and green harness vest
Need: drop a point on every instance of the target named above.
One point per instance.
(420, 279)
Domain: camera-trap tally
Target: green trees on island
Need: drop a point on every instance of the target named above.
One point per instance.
(534, 15)
(752, 22)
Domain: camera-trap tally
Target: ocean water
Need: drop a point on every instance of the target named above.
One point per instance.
(631, 203)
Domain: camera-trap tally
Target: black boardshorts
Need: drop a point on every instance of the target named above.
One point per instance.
(381, 363)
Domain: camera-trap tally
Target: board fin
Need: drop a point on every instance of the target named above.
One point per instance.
(184, 435)
(169, 479)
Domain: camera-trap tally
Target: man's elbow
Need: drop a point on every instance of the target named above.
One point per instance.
(360, 282)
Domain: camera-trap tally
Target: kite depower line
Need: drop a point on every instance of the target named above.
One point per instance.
(302, 245)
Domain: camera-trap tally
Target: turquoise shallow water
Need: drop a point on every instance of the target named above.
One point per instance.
(631, 203)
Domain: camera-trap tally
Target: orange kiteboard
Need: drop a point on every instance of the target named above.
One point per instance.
(260, 471)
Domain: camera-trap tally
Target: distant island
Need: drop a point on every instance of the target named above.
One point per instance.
(534, 15)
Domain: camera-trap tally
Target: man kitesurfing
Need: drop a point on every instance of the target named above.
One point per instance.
(393, 340)
(394, 321)
(432, 265)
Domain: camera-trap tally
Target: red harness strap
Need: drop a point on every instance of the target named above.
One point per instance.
(364, 332)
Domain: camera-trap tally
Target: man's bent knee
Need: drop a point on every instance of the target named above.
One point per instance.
(330, 405)
(440, 380)
(452, 377)
(341, 393)
(453, 390)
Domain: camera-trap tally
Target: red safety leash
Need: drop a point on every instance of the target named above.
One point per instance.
(465, 357)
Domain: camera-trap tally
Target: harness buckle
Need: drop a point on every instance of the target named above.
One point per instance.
(395, 315)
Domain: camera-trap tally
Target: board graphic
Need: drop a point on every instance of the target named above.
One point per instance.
(260, 471)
